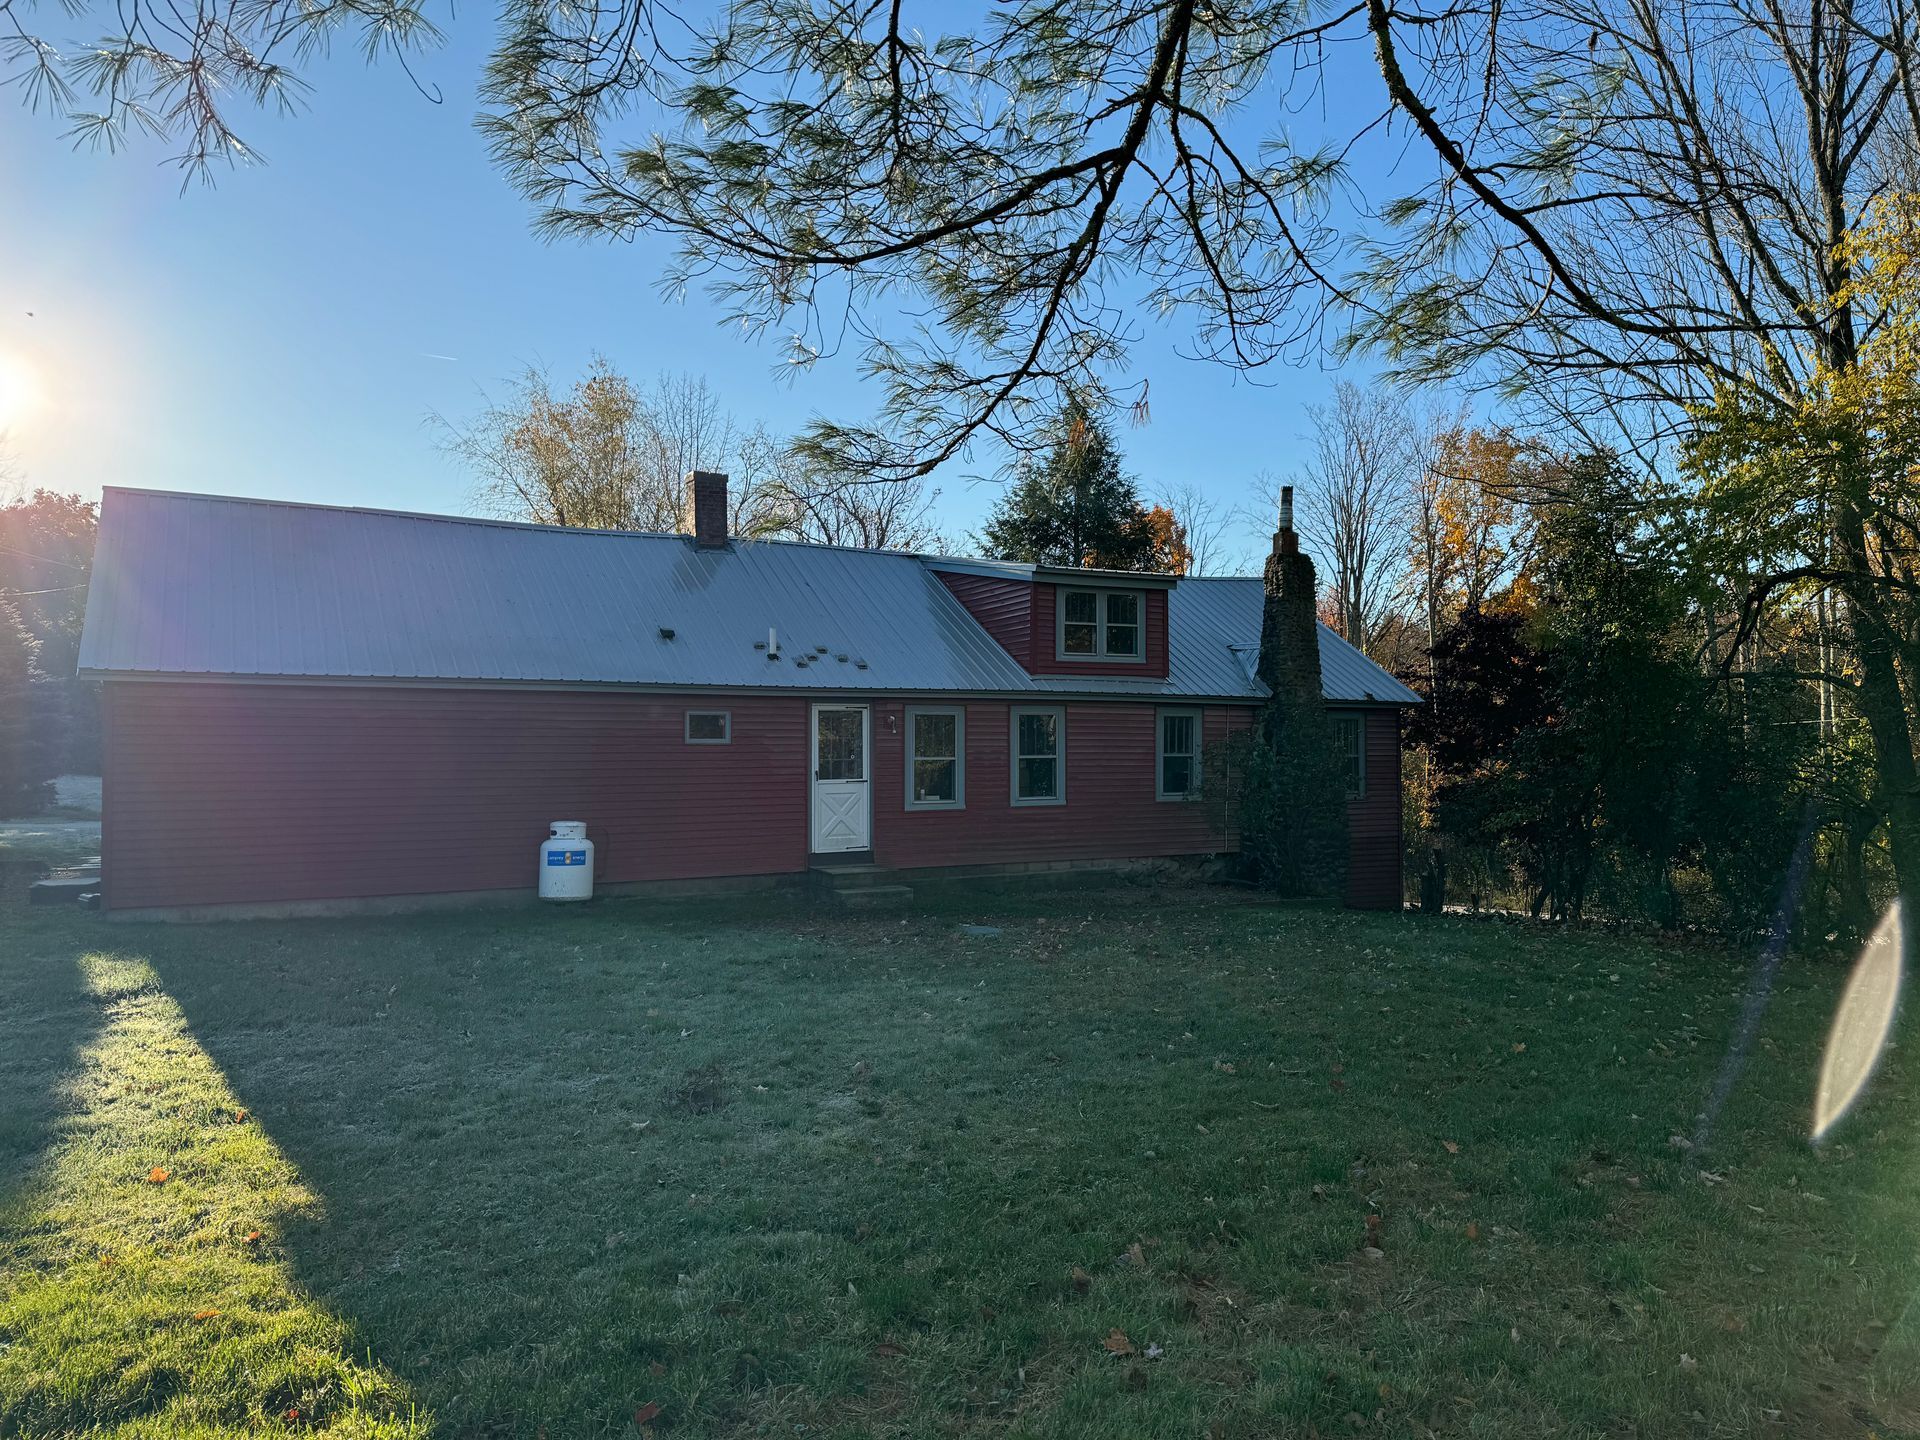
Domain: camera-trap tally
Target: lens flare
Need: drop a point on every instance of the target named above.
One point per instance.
(1862, 1023)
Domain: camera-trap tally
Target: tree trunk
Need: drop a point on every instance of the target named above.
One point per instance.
(1881, 702)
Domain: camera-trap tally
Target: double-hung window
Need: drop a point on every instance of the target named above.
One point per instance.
(1101, 625)
(1350, 745)
(936, 758)
(1039, 752)
(1179, 755)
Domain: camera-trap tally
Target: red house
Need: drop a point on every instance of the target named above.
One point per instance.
(306, 703)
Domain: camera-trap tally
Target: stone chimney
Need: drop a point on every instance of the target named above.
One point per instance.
(707, 499)
(1306, 849)
(1289, 637)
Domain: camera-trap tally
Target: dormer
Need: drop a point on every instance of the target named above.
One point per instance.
(1057, 620)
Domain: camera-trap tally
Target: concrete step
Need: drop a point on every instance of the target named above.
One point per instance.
(849, 877)
(62, 888)
(874, 897)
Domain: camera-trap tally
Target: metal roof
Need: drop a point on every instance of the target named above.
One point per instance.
(1208, 615)
(195, 585)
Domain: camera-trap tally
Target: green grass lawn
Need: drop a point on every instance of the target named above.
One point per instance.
(1114, 1171)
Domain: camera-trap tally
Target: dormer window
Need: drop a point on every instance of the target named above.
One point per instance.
(1100, 625)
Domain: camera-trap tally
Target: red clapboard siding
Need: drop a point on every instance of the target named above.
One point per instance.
(1110, 812)
(1003, 607)
(1373, 870)
(221, 794)
(1020, 615)
(234, 793)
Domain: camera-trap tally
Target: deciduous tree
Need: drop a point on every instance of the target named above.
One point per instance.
(26, 751)
(1355, 494)
(608, 454)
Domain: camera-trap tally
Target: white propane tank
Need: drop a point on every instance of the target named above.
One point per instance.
(566, 862)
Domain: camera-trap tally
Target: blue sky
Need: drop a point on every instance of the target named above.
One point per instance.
(280, 334)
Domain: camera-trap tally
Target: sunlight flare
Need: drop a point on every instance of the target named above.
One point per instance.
(1862, 1023)
(20, 390)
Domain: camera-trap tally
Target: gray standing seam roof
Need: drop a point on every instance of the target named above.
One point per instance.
(194, 585)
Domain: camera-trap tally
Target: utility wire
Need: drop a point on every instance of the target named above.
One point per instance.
(43, 559)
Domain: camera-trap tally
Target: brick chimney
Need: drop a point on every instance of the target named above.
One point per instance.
(707, 499)
(1307, 851)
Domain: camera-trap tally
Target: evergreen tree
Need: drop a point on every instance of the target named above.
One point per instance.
(1073, 505)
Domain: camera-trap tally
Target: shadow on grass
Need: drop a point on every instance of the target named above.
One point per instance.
(48, 1017)
(924, 1136)
(146, 1291)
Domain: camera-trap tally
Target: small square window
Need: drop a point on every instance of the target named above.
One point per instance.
(709, 727)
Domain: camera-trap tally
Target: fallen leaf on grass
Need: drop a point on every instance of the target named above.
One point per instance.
(240, 1117)
(1336, 1084)
(1473, 1231)
(656, 1369)
(1687, 1362)
(156, 1176)
(1519, 1047)
(1452, 1146)
(1136, 1255)
(205, 1314)
(647, 1413)
(1117, 1343)
(1082, 1281)
(887, 1350)
(252, 1237)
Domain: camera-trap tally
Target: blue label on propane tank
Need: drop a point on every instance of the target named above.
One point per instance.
(566, 857)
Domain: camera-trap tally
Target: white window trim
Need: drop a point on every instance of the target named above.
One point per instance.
(1059, 713)
(726, 718)
(1100, 655)
(1160, 753)
(959, 714)
(1359, 718)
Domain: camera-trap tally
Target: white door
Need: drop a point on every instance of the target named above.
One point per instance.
(842, 797)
